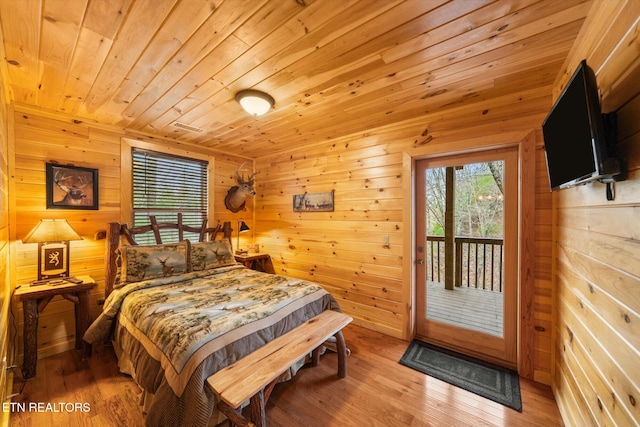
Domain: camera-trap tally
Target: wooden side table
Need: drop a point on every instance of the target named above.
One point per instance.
(34, 300)
(258, 262)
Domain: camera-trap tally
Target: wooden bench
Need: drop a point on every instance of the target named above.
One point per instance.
(254, 376)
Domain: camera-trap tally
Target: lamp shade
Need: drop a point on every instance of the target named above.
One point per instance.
(51, 230)
(255, 102)
(242, 226)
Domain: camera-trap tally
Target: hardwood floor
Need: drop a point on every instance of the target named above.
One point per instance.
(378, 391)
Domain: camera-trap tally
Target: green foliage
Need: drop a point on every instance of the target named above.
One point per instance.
(437, 230)
(479, 210)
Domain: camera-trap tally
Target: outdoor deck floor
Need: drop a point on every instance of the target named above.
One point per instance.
(470, 308)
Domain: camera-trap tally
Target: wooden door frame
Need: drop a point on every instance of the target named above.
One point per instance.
(501, 350)
(526, 143)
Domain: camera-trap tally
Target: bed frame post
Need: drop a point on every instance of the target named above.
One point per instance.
(226, 231)
(111, 267)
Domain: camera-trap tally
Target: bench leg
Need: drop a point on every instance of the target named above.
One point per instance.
(258, 413)
(234, 415)
(341, 349)
(315, 357)
(342, 354)
(268, 389)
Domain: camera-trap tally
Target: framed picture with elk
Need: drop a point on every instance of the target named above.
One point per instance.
(71, 187)
(313, 202)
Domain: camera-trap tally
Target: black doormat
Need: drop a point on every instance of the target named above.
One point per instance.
(484, 379)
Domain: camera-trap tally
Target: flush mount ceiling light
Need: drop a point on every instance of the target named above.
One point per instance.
(255, 102)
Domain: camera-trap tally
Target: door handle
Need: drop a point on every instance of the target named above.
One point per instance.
(420, 261)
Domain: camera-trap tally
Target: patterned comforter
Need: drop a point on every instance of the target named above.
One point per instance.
(179, 330)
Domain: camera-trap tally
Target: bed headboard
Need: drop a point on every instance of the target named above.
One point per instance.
(116, 232)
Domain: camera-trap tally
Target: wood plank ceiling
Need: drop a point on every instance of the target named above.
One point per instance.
(334, 67)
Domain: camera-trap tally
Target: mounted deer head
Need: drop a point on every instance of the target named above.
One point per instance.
(235, 199)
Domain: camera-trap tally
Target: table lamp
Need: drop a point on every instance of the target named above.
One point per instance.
(242, 227)
(52, 237)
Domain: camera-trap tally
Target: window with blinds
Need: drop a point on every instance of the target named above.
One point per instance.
(164, 185)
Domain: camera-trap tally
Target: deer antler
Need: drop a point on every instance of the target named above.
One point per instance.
(62, 180)
(251, 180)
(59, 178)
(84, 181)
(241, 180)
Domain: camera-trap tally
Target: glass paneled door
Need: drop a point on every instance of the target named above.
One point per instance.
(467, 224)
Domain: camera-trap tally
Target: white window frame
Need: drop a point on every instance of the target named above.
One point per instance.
(126, 173)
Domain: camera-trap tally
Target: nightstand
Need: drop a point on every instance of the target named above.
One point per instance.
(258, 262)
(34, 300)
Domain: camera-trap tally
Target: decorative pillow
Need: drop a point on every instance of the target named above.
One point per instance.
(150, 262)
(206, 255)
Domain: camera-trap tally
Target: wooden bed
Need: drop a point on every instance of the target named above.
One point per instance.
(179, 312)
(116, 233)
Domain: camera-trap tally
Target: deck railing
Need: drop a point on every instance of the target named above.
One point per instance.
(478, 262)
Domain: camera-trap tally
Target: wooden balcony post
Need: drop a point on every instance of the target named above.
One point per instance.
(449, 229)
(458, 268)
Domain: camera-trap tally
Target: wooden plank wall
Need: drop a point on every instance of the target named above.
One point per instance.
(42, 137)
(344, 249)
(543, 299)
(224, 179)
(5, 288)
(597, 380)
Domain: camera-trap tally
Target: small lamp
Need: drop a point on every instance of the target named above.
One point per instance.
(242, 227)
(255, 102)
(52, 237)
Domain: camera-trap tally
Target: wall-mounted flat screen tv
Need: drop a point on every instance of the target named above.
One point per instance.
(578, 147)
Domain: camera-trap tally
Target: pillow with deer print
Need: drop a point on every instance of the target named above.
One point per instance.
(206, 255)
(150, 262)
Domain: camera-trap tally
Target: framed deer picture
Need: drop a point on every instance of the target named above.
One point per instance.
(71, 187)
